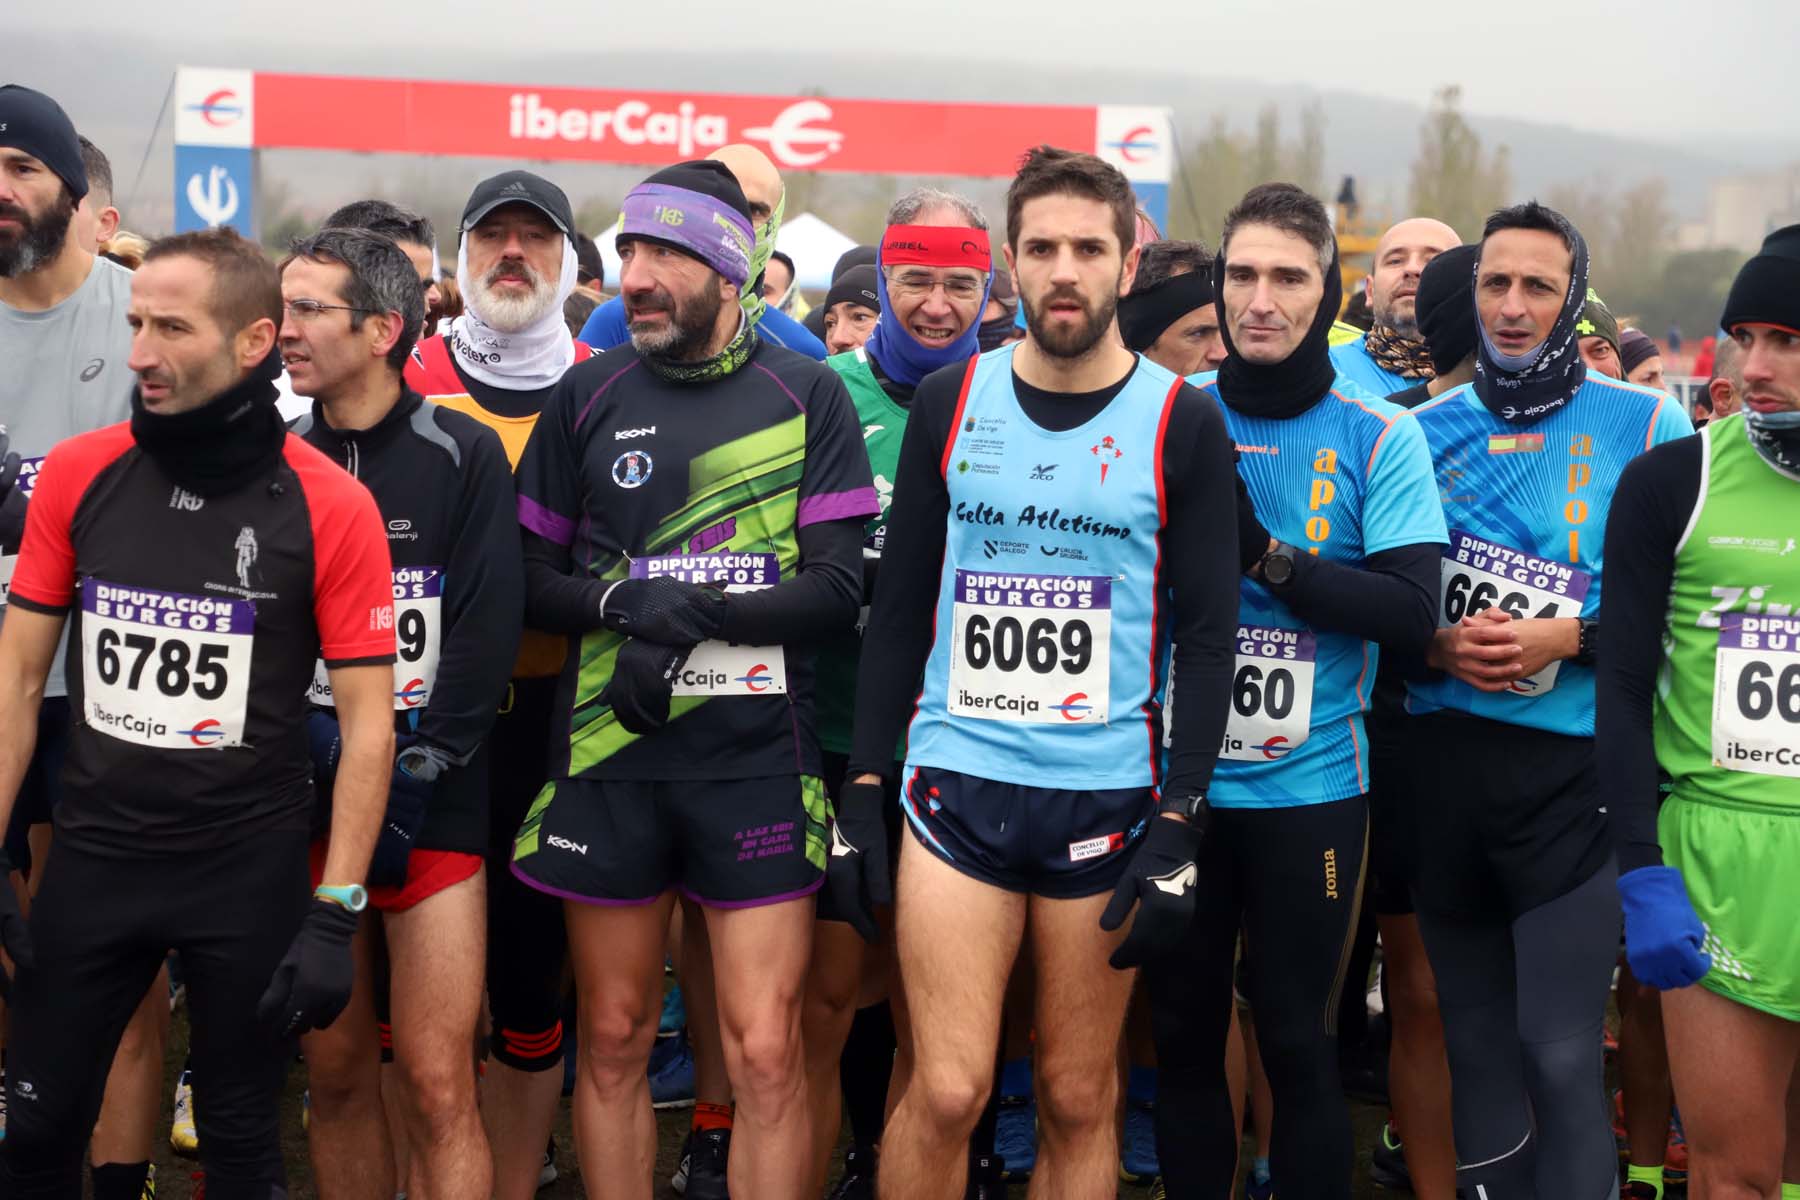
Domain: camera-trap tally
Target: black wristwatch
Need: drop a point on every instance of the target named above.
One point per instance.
(1589, 644)
(1278, 565)
(1192, 806)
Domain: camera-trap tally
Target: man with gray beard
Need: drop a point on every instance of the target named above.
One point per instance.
(498, 363)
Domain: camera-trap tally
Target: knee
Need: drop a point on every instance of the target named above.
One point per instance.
(950, 1099)
(1566, 1063)
(829, 1006)
(615, 1044)
(341, 1073)
(1294, 1053)
(439, 1091)
(767, 1052)
(1076, 1099)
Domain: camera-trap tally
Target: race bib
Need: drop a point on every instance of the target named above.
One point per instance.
(1756, 695)
(717, 668)
(418, 630)
(1031, 648)
(1479, 574)
(28, 473)
(165, 669)
(1271, 693)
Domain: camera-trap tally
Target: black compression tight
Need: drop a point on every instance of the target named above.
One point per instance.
(1291, 879)
(1523, 1007)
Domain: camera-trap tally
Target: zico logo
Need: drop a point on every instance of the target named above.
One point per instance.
(757, 678)
(1320, 497)
(204, 733)
(1575, 512)
(413, 694)
(1074, 707)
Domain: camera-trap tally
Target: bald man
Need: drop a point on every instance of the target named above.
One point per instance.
(1392, 356)
(763, 187)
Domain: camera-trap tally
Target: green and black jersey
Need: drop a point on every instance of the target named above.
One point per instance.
(630, 474)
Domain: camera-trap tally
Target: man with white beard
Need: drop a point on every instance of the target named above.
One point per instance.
(497, 363)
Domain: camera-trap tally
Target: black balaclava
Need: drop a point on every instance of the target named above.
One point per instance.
(1296, 383)
(1445, 305)
(1530, 387)
(230, 441)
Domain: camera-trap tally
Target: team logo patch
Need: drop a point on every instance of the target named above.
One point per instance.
(1096, 847)
(631, 469)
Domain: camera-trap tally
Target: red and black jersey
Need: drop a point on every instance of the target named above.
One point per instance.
(195, 626)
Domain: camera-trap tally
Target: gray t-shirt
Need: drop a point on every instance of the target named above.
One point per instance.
(64, 374)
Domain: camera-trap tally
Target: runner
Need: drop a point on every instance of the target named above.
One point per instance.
(183, 821)
(1168, 316)
(1641, 360)
(1392, 355)
(851, 309)
(513, 264)
(409, 231)
(1046, 478)
(936, 269)
(762, 185)
(1340, 473)
(1701, 591)
(1599, 337)
(1516, 899)
(444, 488)
(700, 455)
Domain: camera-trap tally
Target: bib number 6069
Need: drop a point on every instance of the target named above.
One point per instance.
(1008, 643)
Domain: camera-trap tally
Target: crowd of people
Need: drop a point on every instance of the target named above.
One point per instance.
(417, 659)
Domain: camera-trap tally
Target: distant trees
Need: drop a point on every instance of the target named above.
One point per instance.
(1213, 173)
(1452, 179)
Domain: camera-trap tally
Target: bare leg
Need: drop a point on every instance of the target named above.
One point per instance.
(1643, 1070)
(833, 985)
(1733, 1067)
(1418, 1066)
(437, 953)
(618, 956)
(957, 939)
(1080, 1011)
(699, 993)
(347, 1132)
(519, 1109)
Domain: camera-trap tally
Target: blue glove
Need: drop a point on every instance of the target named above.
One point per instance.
(416, 771)
(1663, 935)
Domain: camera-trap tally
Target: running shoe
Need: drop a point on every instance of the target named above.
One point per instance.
(674, 1013)
(547, 1173)
(987, 1178)
(706, 1168)
(198, 1181)
(1137, 1153)
(1387, 1163)
(183, 1137)
(672, 1074)
(1157, 1190)
(678, 1181)
(858, 1179)
(1258, 1191)
(1015, 1136)
(1675, 1158)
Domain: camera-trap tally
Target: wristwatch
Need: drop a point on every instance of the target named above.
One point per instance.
(1193, 807)
(1589, 644)
(1278, 565)
(352, 897)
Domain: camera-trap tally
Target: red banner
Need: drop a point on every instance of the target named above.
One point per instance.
(653, 128)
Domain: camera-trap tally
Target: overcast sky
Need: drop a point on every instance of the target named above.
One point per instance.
(1654, 68)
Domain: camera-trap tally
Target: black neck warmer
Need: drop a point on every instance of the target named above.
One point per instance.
(1296, 383)
(1528, 388)
(225, 443)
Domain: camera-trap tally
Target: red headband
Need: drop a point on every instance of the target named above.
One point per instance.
(936, 246)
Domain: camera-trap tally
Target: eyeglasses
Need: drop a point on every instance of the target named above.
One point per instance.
(306, 310)
(918, 284)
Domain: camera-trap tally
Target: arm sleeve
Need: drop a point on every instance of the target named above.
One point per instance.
(1390, 599)
(353, 582)
(606, 326)
(822, 598)
(897, 641)
(1200, 545)
(1650, 509)
(484, 604)
(549, 504)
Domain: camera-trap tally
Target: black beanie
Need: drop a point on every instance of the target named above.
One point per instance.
(858, 286)
(709, 178)
(1767, 289)
(855, 256)
(33, 122)
(1445, 305)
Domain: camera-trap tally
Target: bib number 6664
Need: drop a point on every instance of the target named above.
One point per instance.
(1464, 597)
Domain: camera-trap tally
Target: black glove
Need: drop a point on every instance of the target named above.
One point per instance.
(15, 934)
(12, 500)
(642, 681)
(1253, 538)
(664, 609)
(1160, 879)
(416, 771)
(312, 984)
(857, 869)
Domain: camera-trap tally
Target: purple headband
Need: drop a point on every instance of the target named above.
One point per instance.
(713, 232)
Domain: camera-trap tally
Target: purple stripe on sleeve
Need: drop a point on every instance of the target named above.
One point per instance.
(835, 506)
(545, 523)
(782, 385)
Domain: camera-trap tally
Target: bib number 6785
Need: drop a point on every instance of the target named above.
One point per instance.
(1008, 643)
(176, 670)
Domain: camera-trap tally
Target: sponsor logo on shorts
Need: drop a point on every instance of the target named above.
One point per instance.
(1097, 847)
(563, 843)
(1331, 873)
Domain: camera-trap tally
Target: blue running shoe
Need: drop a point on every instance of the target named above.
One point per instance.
(1258, 1191)
(1015, 1136)
(674, 1013)
(672, 1074)
(1137, 1152)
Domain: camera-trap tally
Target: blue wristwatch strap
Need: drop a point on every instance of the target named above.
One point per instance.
(351, 896)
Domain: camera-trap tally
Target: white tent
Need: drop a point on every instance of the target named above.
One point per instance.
(810, 242)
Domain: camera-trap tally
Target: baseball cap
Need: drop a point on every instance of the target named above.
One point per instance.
(519, 187)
